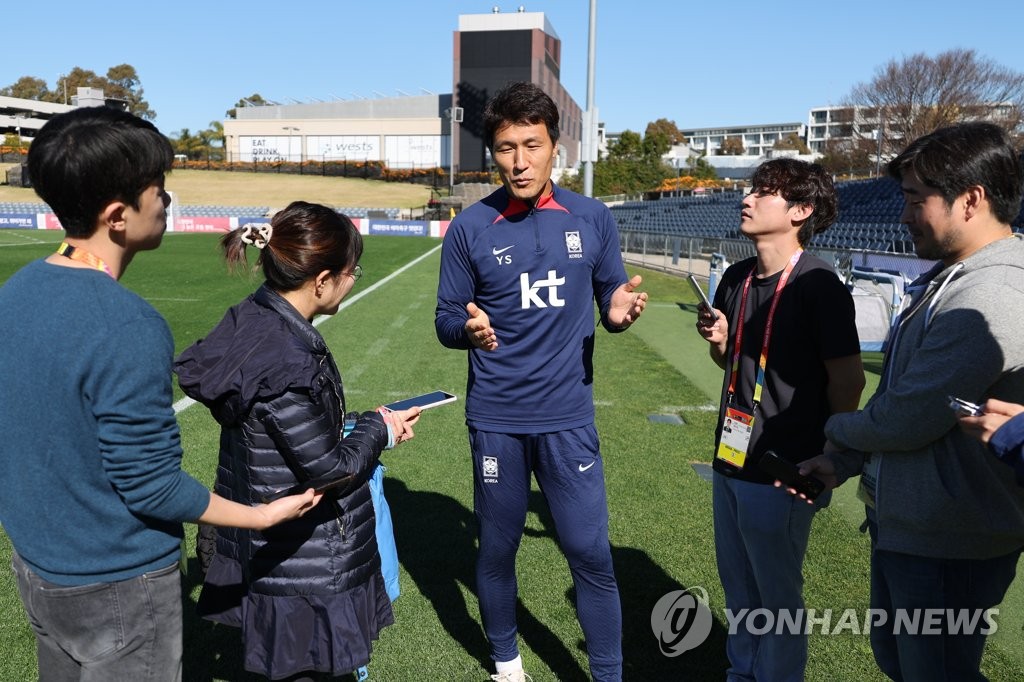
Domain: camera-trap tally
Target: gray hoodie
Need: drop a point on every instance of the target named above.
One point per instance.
(939, 492)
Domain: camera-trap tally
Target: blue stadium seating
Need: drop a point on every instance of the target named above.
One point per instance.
(217, 211)
(23, 207)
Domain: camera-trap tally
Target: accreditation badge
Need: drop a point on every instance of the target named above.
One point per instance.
(736, 430)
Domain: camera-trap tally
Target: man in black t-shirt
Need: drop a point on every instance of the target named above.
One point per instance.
(798, 363)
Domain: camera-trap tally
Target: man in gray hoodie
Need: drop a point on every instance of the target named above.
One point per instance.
(945, 516)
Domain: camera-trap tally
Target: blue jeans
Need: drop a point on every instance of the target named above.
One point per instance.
(915, 583)
(570, 474)
(104, 632)
(761, 537)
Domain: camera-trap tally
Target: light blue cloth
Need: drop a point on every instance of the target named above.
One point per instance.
(385, 533)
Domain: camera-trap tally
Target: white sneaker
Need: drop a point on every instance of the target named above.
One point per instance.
(512, 676)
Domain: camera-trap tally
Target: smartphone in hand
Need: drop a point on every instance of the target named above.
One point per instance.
(424, 402)
(790, 476)
(701, 296)
(962, 408)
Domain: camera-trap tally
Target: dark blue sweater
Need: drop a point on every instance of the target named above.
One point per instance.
(1008, 445)
(536, 273)
(90, 454)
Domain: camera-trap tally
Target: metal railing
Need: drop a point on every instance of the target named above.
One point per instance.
(684, 254)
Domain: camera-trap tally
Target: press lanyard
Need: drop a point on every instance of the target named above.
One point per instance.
(763, 360)
(82, 256)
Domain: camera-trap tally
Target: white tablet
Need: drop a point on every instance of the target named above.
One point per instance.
(425, 401)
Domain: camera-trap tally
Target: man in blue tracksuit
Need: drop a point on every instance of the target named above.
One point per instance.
(520, 271)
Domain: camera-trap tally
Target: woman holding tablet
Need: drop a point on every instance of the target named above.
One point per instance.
(308, 595)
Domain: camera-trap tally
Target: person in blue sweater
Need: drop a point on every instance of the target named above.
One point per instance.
(85, 411)
(520, 273)
(1001, 426)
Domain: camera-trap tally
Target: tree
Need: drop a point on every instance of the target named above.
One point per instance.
(214, 135)
(792, 141)
(14, 141)
(624, 176)
(731, 146)
(849, 156)
(213, 140)
(917, 94)
(633, 164)
(667, 128)
(26, 87)
(655, 145)
(82, 78)
(699, 167)
(629, 147)
(204, 144)
(184, 142)
(123, 83)
(253, 100)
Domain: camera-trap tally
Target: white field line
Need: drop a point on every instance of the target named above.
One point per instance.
(187, 402)
(709, 407)
(27, 240)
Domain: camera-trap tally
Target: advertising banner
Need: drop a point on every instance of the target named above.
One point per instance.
(270, 148)
(343, 148)
(199, 224)
(414, 151)
(400, 228)
(18, 220)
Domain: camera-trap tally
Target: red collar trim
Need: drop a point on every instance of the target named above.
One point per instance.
(516, 206)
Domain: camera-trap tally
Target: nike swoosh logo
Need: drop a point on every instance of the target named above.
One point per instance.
(497, 252)
(584, 468)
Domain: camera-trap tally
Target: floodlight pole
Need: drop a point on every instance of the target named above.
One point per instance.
(590, 119)
(878, 151)
(454, 118)
(292, 129)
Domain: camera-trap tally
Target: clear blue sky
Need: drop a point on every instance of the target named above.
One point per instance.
(696, 63)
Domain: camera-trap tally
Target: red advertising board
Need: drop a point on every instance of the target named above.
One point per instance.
(202, 224)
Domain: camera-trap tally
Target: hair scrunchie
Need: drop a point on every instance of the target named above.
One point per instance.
(257, 234)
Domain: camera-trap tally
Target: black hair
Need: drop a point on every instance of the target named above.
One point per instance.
(520, 102)
(305, 240)
(803, 183)
(86, 158)
(964, 155)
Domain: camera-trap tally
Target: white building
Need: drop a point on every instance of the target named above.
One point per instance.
(757, 139)
(406, 132)
(418, 131)
(24, 117)
(841, 123)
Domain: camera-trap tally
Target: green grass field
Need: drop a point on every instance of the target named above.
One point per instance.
(660, 507)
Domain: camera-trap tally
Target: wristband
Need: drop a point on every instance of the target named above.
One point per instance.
(348, 427)
(385, 413)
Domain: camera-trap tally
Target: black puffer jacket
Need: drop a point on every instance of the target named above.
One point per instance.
(270, 381)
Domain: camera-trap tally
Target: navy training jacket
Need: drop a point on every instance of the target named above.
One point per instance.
(536, 272)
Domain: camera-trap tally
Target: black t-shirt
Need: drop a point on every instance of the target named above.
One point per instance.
(814, 322)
